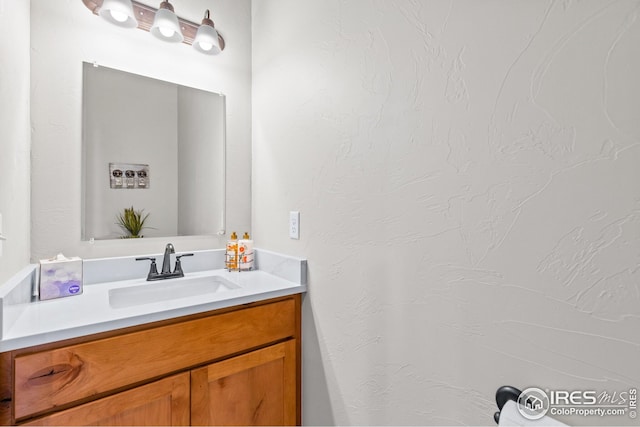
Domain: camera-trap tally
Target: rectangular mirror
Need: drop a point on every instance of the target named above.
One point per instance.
(153, 146)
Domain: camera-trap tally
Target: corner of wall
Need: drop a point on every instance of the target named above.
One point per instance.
(15, 134)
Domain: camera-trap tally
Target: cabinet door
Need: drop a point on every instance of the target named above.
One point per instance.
(257, 388)
(162, 403)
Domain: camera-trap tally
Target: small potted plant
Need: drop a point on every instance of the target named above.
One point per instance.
(132, 222)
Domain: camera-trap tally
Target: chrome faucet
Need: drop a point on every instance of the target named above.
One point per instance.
(166, 272)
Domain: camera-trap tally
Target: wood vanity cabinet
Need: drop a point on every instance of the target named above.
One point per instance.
(234, 366)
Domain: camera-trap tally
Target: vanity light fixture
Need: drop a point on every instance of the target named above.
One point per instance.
(119, 12)
(207, 37)
(144, 17)
(165, 24)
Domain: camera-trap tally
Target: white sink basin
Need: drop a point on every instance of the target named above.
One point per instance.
(168, 290)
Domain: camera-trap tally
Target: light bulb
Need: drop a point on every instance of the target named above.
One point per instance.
(118, 12)
(206, 40)
(167, 32)
(206, 46)
(119, 16)
(165, 24)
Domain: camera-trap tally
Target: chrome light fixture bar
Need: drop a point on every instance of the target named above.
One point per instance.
(145, 16)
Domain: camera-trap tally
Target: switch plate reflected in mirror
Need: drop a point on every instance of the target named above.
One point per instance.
(136, 175)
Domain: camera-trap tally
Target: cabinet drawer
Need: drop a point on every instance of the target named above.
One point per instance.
(61, 376)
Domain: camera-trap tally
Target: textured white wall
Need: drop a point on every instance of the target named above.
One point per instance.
(467, 176)
(15, 139)
(64, 33)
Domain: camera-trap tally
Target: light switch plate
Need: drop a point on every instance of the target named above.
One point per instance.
(294, 225)
(1, 236)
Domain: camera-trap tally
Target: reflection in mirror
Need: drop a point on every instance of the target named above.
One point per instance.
(153, 146)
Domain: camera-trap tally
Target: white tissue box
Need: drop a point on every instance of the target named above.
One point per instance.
(60, 277)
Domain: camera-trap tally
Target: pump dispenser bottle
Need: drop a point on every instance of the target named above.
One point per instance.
(245, 253)
(231, 256)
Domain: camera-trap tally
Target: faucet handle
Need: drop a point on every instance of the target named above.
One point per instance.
(153, 269)
(178, 267)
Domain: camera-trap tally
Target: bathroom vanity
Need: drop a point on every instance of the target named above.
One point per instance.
(232, 358)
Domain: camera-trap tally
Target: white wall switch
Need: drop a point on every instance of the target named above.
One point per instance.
(2, 238)
(294, 225)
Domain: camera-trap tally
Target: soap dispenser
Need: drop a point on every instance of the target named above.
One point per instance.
(245, 253)
(231, 256)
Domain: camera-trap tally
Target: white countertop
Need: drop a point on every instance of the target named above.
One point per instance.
(32, 323)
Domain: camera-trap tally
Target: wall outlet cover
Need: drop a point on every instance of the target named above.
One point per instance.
(2, 238)
(294, 225)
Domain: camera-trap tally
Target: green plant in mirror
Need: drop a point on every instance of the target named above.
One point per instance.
(132, 221)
